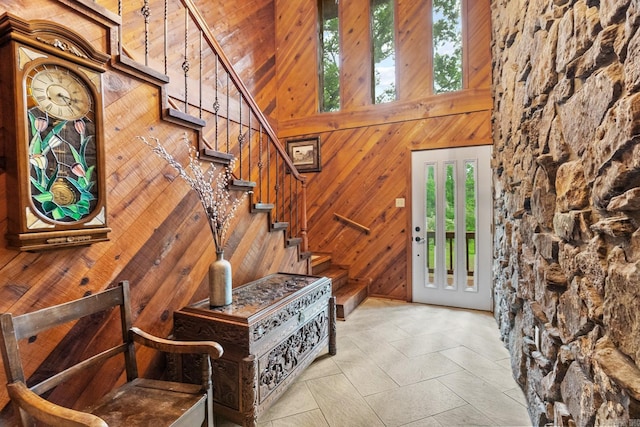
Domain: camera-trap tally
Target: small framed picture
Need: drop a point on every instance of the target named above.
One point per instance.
(305, 153)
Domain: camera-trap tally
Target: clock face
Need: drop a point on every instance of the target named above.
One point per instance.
(59, 92)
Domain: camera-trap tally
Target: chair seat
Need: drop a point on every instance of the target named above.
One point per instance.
(144, 402)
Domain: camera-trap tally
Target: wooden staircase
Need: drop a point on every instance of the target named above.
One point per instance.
(230, 127)
(349, 292)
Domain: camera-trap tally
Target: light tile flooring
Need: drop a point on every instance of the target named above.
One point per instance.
(403, 364)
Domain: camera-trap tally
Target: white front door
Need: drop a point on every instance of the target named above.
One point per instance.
(451, 212)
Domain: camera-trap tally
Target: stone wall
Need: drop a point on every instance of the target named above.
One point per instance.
(566, 129)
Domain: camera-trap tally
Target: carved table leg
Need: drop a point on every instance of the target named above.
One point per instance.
(332, 326)
(249, 397)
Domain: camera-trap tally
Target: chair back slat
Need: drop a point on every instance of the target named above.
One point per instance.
(14, 329)
(30, 324)
(10, 353)
(63, 376)
(126, 320)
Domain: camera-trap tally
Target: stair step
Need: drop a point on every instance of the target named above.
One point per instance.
(293, 241)
(348, 297)
(320, 262)
(178, 117)
(349, 293)
(242, 185)
(128, 65)
(216, 156)
(262, 207)
(275, 226)
(338, 275)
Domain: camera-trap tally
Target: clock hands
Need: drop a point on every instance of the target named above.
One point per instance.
(68, 100)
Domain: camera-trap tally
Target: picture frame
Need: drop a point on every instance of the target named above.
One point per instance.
(305, 153)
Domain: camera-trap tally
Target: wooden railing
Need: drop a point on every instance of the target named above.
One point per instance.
(171, 41)
(470, 237)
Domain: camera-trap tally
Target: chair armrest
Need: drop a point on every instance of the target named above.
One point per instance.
(212, 348)
(50, 413)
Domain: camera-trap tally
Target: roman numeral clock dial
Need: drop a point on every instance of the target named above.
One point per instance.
(59, 93)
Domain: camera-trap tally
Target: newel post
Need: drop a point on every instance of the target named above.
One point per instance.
(303, 216)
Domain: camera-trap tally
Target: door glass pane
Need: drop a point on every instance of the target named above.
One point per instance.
(447, 45)
(450, 221)
(470, 222)
(430, 222)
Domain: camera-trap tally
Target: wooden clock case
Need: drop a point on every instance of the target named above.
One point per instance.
(23, 45)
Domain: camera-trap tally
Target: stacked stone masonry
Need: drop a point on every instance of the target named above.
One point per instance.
(566, 167)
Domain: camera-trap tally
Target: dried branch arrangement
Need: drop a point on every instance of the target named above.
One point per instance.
(211, 186)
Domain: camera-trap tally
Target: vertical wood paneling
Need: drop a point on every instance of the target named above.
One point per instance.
(414, 47)
(478, 40)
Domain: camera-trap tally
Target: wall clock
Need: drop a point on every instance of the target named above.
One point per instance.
(52, 113)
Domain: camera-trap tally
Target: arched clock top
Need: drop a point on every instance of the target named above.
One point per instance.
(53, 38)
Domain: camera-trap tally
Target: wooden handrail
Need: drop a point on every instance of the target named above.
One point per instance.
(215, 46)
(353, 223)
(287, 197)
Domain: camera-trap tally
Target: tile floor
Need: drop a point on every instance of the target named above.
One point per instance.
(403, 364)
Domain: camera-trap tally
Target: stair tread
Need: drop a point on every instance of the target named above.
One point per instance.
(293, 241)
(335, 272)
(349, 297)
(348, 291)
(319, 259)
(321, 263)
(339, 277)
(277, 226)
(262, 207)
(241, 184)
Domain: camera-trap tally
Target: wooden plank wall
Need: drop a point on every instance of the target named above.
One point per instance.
(366, 149)
(160, 241)
(246, 31)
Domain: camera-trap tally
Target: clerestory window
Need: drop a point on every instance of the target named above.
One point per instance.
(447, 50)
(447, 45)
(329, 55)
(383, 51)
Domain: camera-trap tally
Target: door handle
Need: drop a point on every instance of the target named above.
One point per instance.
(420, 239)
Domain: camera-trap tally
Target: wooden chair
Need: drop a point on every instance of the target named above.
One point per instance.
(138, 402)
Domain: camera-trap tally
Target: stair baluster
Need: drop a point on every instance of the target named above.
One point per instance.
(278, 182)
